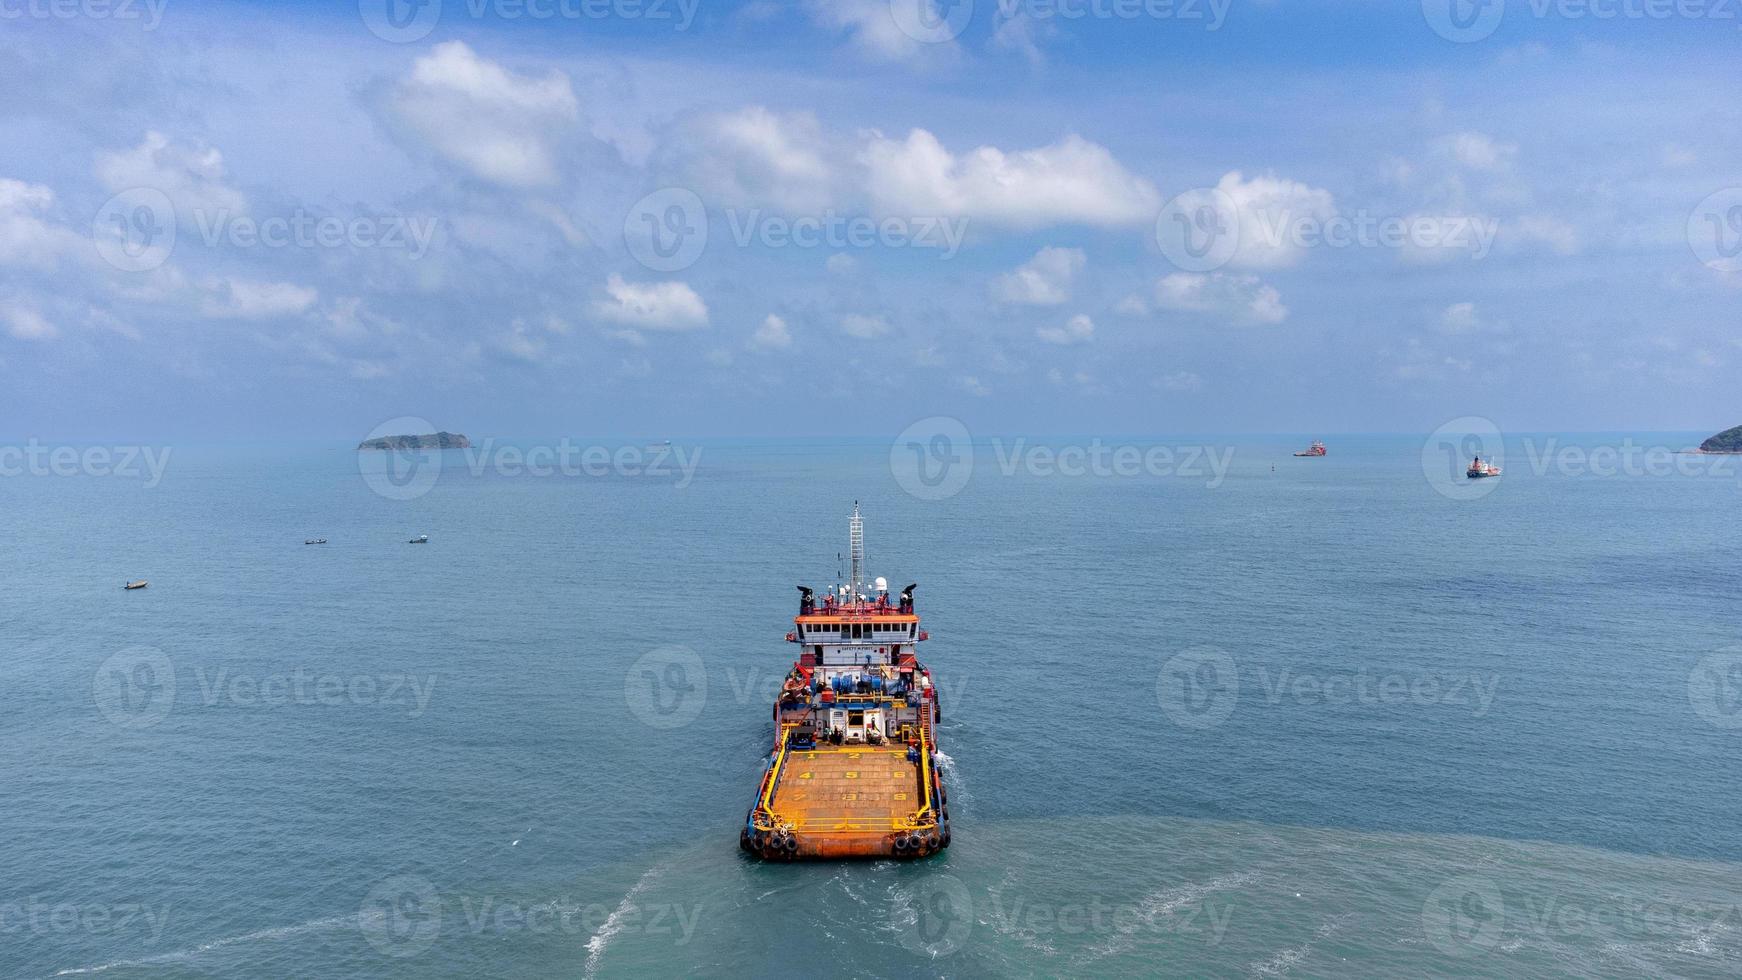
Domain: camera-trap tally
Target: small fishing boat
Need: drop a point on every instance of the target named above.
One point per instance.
(1316, 449)
(136, 585)
(316, 541)
(420, 539)
(1481, 470)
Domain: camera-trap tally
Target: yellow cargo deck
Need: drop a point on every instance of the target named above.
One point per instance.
(846, 789)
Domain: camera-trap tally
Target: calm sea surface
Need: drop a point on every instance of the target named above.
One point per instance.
(1303, 718)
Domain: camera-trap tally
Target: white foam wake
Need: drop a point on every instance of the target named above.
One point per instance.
(278, 932)
(614, 922)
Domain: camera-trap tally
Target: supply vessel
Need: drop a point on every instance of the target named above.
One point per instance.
(853, 772)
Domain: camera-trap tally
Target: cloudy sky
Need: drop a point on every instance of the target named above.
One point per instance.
(654, 217)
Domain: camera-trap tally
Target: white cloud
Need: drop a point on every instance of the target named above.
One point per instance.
(1478, 151)
(1072, 181)
(841, 264)
(1016, 32)
(1270, 208)
(522, 343)
(490, 122)
(25, 323)
(772, 335)
(1463, 319)
(1558, 235)
(1234, 296)
(754, 156)
(192, 176)
(864, 327)
(243, 299)
(1180, 381)
(1044, 280)
(872, 28)
(653, 306)
(1078, 329)
(971, 385)
(27, 238)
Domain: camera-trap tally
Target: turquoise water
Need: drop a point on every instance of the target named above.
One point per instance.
(1316, 720)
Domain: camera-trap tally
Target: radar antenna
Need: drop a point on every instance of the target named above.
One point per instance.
(856, 553)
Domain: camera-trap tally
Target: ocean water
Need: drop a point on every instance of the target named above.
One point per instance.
(1295, 718)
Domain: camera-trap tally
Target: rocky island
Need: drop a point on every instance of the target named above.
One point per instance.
(433, 440)
(1728, 441)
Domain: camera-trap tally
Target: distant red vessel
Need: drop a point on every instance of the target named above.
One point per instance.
(1316, 449)
(1479, 470)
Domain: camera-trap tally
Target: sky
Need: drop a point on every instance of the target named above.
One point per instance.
(690, 218)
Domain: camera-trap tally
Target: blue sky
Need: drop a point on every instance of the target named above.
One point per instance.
(1526, 211)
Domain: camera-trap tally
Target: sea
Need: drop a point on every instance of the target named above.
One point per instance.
(1208, 709)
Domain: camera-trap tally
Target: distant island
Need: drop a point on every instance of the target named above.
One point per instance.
(1728, 441)
(433, 440)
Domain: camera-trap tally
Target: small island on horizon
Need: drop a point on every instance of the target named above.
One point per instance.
(432, 440)
(1728, 441)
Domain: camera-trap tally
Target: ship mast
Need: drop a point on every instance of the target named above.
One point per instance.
(856, 551)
